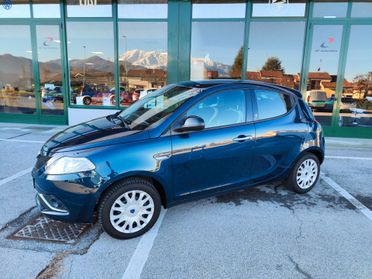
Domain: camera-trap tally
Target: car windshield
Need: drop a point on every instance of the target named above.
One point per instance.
(156, 106)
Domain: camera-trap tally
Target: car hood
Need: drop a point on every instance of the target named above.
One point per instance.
(95, 133)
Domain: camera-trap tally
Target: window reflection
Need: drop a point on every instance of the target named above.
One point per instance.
(361, 9)
(216, 50)
(218, 9)
(89, 8)
(322, 76)
(91, 63)
(46, 9)
(50, 69)
(143, 9)
(276, 59)
(356, 100)
(330, 9)
(142, 59)
(16, 75)
(15, 9)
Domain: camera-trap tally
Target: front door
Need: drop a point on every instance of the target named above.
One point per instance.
(323, 69)
(220, 155)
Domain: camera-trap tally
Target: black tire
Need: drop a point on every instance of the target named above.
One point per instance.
(87, 101)
(292, 181)
(109, 198)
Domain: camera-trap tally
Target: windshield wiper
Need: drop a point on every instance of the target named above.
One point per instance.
(117, 116)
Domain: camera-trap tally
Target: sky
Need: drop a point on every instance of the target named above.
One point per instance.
(283, 40)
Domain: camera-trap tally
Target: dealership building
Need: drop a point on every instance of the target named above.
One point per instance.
(64, 62)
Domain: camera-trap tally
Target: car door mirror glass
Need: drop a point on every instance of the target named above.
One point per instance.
(190, 123)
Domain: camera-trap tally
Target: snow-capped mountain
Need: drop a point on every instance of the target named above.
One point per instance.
(210, 65)
(158, 60)
(146, 59)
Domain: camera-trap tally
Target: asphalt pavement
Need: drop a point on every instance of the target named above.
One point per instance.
(261, 232)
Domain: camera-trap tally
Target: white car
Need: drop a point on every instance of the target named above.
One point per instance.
(347, 104)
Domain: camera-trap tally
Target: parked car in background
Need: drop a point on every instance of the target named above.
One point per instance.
(52, 95)
(146, 92)
(318, 101)
(185, 141)
(126, 98)
(136, 94)
(347, 104)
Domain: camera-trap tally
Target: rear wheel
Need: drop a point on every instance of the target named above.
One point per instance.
(130, 208)
(305, 174)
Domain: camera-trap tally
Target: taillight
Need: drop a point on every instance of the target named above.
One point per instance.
(308, 99)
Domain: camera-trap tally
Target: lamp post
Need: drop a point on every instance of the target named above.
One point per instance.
(125, 64)
(84, 50)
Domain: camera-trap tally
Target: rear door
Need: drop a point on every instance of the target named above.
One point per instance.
(221, 154)
(279, 136)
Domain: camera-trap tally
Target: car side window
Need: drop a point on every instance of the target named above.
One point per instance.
(221, 109)
(271, 104)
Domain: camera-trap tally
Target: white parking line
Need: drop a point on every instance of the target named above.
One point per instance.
(24, 141)
(15, 176)
(139, 258)
(361, 207)
(349, 158)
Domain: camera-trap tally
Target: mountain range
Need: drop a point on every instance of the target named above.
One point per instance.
(13, 68)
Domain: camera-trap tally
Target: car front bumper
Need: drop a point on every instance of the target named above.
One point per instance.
(71, 197)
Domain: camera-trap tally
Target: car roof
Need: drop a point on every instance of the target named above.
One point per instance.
(215, 82)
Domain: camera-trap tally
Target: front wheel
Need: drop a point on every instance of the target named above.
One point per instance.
(130, 208)
(305, 174)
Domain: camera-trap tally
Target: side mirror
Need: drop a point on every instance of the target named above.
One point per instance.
(191, 123)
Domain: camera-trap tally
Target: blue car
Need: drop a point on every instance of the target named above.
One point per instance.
(185, 141)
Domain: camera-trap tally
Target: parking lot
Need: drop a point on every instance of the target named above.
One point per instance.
(261, 232)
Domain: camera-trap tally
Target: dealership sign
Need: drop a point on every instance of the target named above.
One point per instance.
(88, 2)
(7, 4)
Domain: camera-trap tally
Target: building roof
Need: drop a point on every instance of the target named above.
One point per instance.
(271, 74)
(253, 75)
(332, 85)
(319, 75)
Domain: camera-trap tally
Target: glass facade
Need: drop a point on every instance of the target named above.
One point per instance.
(16, 72)
(91, 63)
(276, 59)
(74, 55)
(323, 67)
(355, 104)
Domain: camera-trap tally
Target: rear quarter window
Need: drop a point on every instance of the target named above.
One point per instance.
(271, 103)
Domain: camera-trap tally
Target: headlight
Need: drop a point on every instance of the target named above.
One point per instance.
(65, 165)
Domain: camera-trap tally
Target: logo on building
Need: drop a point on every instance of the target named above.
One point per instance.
(327, 45)
(88, 2)
(278, 1)
(49, 43)
(7, 4)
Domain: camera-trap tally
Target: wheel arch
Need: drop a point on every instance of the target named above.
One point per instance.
(156, 182)
(315, 151)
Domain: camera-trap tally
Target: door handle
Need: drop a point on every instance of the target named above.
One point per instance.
(242, 138)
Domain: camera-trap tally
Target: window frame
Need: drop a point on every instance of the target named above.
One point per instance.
(249, 111)
(256, 118)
